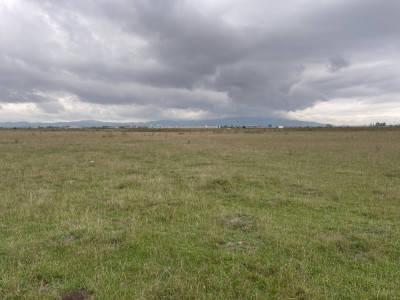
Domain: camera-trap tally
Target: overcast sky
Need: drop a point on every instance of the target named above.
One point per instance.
(330, 61)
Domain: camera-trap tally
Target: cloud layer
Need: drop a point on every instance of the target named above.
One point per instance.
(152, 59)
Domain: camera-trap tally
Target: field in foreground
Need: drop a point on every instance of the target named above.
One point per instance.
(277, 214)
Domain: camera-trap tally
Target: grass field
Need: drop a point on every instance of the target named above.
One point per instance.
(209, 214)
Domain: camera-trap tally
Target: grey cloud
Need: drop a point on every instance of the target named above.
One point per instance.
(51, 107)
(338, 62)
(162, 53)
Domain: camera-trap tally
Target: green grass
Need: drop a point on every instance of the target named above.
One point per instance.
(213, 214)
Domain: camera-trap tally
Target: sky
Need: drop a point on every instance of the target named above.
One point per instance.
(328, 61)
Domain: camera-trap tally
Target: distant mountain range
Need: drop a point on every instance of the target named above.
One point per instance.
(242, 121)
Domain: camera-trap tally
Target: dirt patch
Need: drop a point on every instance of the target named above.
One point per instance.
(234, 220)
(244, 224)
(75, 295)
(71, 181)
(234, 243)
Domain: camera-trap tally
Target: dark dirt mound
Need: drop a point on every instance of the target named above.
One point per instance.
(75, 295)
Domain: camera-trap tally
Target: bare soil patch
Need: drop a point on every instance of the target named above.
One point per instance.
(75, 295)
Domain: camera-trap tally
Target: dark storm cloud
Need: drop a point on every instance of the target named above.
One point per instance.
(229, 56)
(338, 62)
